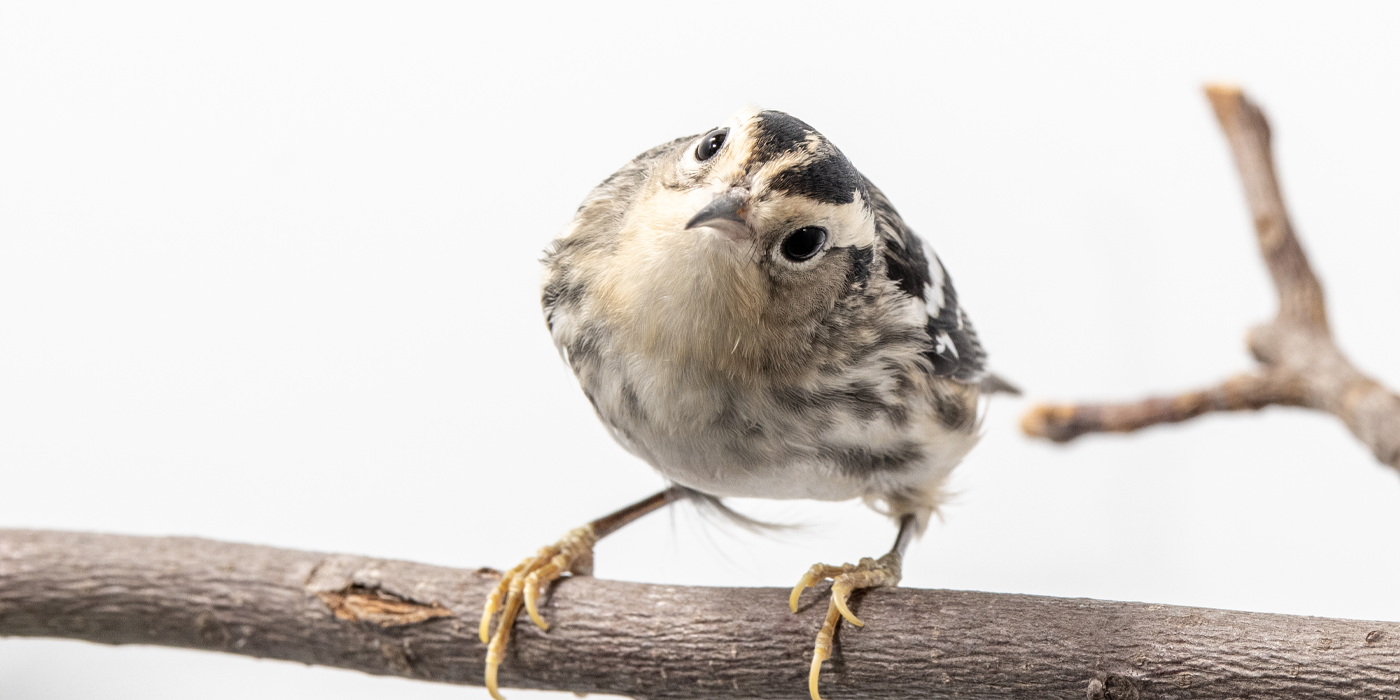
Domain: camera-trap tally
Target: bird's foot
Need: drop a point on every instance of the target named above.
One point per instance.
(869, 573)
(523, 584)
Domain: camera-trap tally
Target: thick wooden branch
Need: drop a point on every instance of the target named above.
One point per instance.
(413, 620)
(1301, 363)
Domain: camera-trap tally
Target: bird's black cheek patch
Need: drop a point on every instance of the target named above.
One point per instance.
(860, 265)
(908, 267)
(831, 179)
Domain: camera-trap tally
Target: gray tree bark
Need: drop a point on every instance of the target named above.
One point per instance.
(417, 621)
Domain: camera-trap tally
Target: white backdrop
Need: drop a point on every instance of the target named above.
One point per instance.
(268, 273)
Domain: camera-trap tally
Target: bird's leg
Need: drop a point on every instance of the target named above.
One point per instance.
(869, 573)
(523, 584)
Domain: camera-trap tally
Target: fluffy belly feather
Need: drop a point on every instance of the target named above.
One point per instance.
(780, 442)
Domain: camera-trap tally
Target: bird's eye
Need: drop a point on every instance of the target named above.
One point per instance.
(710, 144)
(804, 243)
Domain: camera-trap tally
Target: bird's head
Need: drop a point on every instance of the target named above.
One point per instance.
(770, 180)
(742, 239)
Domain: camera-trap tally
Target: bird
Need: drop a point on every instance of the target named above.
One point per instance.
(751, 316)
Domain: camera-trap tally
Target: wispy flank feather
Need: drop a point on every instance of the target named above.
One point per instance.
(714, 507)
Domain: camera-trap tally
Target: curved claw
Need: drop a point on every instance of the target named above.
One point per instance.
(498, 594)
(840, 593)
(491, 680)
(496, 652)
(846, 579)
(818, 573)
(534, 584)
(493, 603)
(813, 575)
(822, 652)
(522, 586)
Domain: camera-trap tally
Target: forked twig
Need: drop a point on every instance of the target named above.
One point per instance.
(1300, 363)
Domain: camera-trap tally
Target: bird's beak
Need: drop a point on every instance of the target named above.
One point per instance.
(726, 215)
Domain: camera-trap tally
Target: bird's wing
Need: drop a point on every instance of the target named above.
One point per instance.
(911, 264)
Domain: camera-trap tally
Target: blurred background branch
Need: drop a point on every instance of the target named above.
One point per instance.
(1301, 364)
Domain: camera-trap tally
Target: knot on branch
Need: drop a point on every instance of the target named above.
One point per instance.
(1111, 686)
(363, 604)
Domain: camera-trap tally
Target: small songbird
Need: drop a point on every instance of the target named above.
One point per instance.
(748, 313)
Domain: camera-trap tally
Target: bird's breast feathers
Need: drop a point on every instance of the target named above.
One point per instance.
(752, 317)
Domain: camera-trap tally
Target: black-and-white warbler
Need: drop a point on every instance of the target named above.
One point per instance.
(751, 316)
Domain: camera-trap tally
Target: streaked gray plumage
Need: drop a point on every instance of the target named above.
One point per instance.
(736, 370)
(751, 316)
